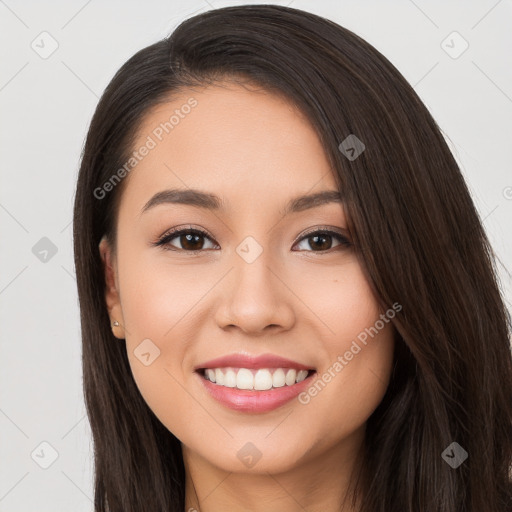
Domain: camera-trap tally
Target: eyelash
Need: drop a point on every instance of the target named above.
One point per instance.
(165, 239)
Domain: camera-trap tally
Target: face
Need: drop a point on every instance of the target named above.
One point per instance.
(271, 286)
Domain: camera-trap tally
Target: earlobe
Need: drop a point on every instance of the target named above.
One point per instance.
(112, 299)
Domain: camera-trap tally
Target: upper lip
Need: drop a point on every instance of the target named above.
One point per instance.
(248, 361)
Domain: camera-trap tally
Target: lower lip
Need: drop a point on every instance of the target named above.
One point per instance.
(245, 400)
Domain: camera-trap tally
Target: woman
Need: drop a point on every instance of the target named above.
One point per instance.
(288, 301)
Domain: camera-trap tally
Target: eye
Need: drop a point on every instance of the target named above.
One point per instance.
(193, 240)
(189, 239)
(321, 240)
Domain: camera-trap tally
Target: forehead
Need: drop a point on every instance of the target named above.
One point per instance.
(242, 144)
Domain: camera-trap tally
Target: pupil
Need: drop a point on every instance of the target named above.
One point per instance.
(188, 238)
(322, 247)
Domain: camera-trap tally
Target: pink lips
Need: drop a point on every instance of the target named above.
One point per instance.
(251, 401)
(244, 361)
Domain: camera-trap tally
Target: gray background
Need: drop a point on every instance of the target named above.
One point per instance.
(46, 105)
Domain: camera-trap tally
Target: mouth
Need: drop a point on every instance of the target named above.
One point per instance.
(252, 384)
(255, 379)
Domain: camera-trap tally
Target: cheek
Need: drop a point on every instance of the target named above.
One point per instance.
(158, 298)
(357, 348)
(356, 377)
(157, 304)
(339, 298)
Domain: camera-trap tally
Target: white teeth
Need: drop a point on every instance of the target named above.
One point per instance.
(219, 377)
(278, 379)
(259, 380)
(290, 377)
(230, 379)
(301, 375)
(262, 380)
(244, 379)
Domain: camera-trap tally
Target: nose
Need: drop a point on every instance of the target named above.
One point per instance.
(255, 298)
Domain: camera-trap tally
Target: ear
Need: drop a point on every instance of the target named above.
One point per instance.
(112, 298)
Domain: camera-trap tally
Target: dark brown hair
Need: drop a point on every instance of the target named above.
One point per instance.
(416, 232)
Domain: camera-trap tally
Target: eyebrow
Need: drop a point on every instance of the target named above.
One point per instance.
(208, 201)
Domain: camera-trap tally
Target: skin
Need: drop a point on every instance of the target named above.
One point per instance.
(255, 151)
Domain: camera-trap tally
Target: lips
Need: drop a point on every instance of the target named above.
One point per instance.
(254, 383)
(252, 362)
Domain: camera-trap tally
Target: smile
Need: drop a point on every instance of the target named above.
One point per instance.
(254, 384)
(255, 379)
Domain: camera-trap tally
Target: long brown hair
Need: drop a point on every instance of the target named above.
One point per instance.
(415, 229)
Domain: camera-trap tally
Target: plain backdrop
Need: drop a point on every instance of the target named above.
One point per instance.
(56, 59)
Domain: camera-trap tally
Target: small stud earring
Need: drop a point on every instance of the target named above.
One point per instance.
(115, 324)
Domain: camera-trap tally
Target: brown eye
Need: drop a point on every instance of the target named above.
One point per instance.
(195, 240)
(191, 241)
(320, 241)
(188, 239)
